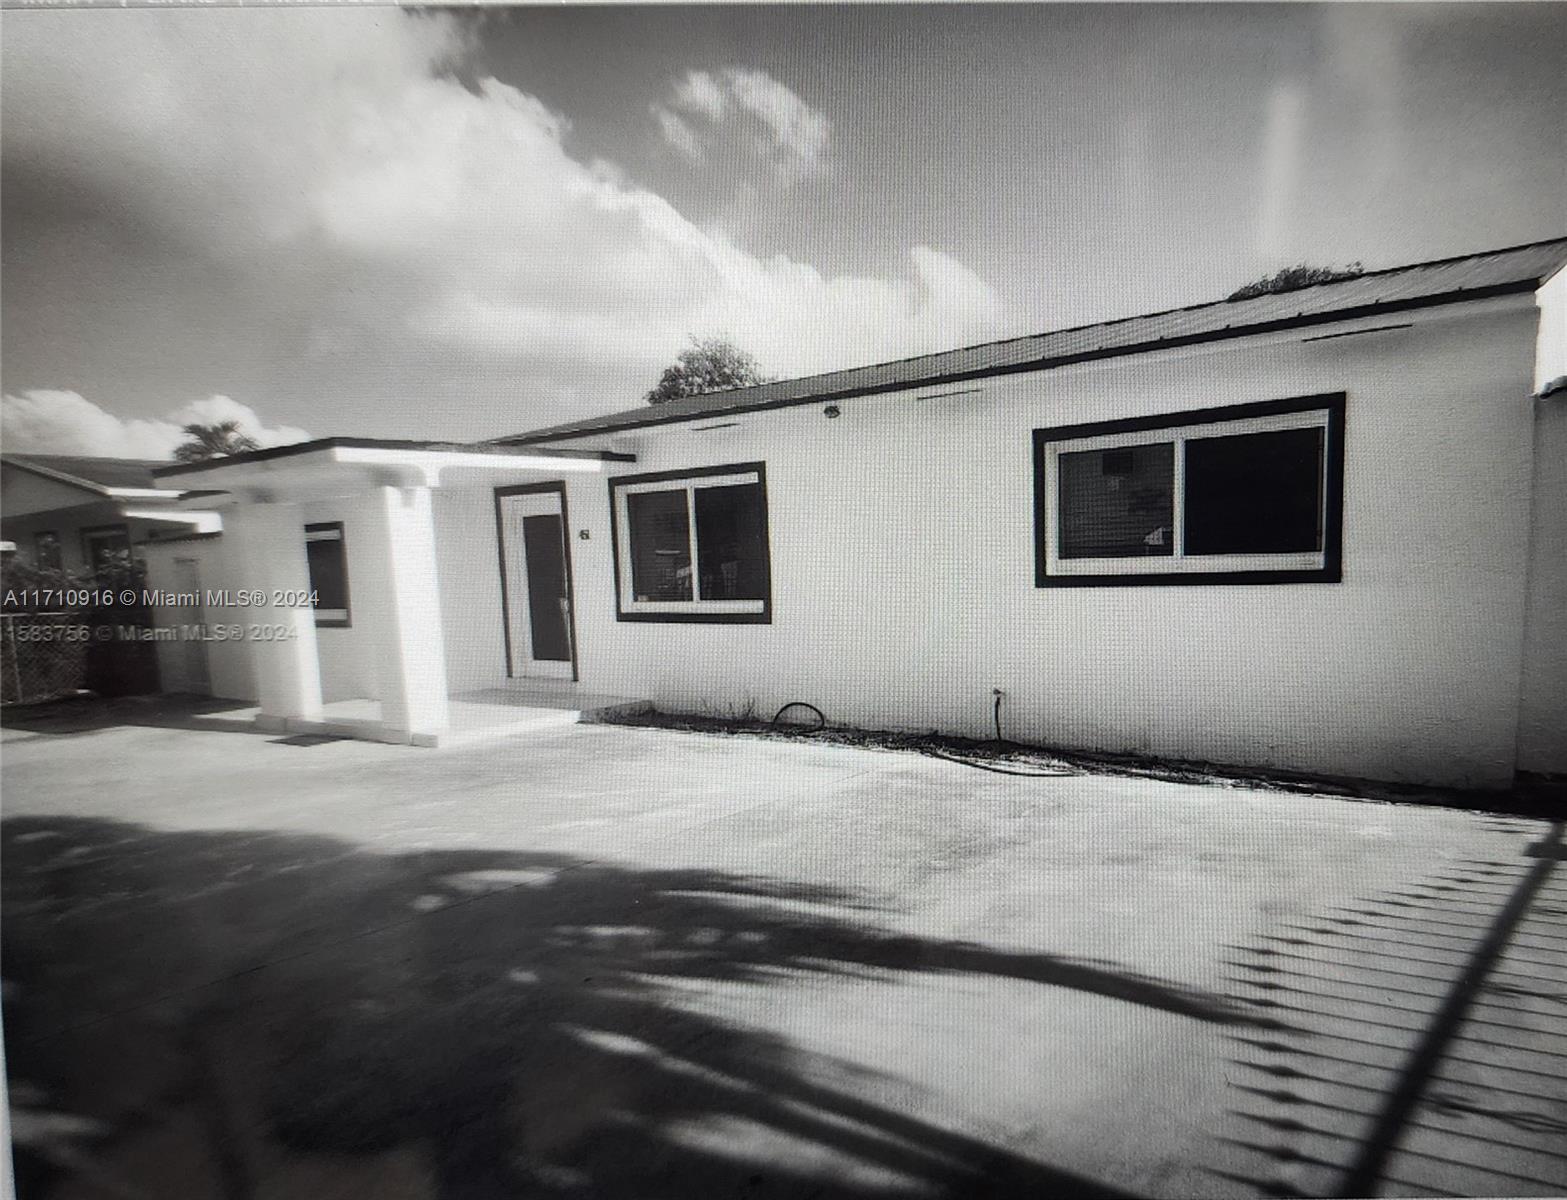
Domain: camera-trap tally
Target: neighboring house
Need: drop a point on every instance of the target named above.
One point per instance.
(70, 512)
(1322, 531)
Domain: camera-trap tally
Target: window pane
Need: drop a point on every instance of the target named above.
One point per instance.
(108, 548)
(660, 545)
(544, 547)
(731, 548)
(1254, 493)
(328, 569)
(1117, 503)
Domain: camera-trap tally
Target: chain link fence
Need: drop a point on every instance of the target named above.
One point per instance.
(38, 658)
(91, 642)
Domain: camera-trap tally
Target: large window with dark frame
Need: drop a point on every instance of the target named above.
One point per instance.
(692, 545)
(327, 556)
(1248, 493)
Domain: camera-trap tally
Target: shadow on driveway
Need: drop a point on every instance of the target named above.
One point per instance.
(93, 714)
(1426, 1048)
(255, 1014)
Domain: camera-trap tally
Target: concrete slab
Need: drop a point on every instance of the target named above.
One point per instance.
(603, 961)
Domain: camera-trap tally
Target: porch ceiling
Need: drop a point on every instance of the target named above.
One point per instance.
(343, 466)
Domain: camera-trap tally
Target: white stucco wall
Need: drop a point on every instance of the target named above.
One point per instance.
(347, 660)
(902, 539)
(1550, 359)
(468, 565)
(1542, 727)
(903, 570)
(229, 667)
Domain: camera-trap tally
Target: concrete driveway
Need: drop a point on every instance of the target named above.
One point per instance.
(631, 962)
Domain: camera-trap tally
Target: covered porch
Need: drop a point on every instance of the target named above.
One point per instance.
(382, 589)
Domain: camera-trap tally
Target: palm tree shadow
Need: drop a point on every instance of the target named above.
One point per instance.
(525, 1019)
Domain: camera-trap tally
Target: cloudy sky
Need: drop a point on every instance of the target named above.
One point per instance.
(378, 223)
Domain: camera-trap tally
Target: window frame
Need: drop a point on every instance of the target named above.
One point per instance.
(59, 549)
(1324, 411)
(696, 610)
(90, 535)
(327, 618)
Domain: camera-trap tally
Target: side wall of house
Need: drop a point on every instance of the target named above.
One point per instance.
(1550, 358)
(231, 675)
(1542, 727)
(468, 565)
(902, 539)
(347, 663)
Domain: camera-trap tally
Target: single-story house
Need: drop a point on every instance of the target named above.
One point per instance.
(71, 512)
(1323, 531)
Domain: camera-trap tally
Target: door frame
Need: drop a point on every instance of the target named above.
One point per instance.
(557, 486)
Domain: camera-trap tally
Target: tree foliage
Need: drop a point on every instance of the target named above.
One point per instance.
(711, 364)
(214, 441)
(1291, 279)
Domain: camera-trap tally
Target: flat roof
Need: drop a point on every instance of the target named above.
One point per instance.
(294, 449)
(1371, 294)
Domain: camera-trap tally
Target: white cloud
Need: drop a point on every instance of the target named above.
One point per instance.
(791, 134)
(798, 129)
(57, 422)
(420, 231)
(699, 92)
(677, 133)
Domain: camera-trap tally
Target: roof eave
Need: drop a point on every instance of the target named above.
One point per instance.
(1045, 363)
(351, 449)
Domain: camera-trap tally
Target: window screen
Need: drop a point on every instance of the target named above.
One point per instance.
(731, 542)
(1254, 493)
(660, 545)
(1118, 503)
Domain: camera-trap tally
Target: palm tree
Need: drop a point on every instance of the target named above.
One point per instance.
(214, 441)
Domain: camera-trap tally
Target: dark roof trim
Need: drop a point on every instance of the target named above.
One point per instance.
(357, 443)
(1227, 333)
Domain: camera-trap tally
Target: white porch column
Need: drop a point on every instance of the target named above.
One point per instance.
(399, 607)
(266, 550)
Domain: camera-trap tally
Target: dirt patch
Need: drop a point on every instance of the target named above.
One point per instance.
(1531, 798)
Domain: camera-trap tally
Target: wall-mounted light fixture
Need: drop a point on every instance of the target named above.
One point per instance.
(831, 411)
